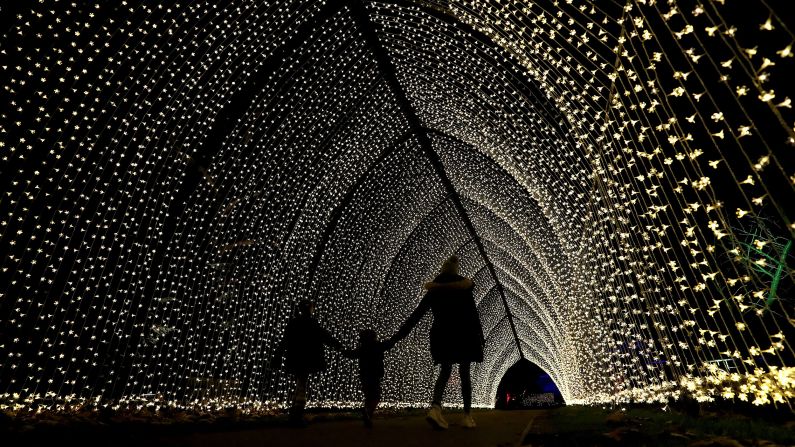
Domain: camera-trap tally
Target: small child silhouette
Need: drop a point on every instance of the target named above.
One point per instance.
(370, 353)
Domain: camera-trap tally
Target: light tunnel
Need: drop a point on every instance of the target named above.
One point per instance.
(617, 178)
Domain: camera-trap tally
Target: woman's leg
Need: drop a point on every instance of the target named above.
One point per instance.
(299, 396)
(441, 383)
(435, 417)
(370, 405)
(372, 396)
(466, 385)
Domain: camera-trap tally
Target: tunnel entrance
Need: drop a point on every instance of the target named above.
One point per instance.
(525, 385)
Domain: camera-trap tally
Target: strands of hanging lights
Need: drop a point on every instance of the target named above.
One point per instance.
(176, 177)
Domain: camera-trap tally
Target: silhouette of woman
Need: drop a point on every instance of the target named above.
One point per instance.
(303, 344)
(456, 335)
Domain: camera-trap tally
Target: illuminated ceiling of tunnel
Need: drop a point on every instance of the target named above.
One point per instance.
(617, 177)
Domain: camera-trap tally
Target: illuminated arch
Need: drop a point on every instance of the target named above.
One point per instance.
(177, 176)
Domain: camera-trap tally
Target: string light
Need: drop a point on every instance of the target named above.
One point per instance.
(178, 176)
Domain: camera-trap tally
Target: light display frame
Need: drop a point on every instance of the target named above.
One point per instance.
(176, 177)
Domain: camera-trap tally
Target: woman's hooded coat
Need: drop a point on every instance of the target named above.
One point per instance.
(456, 334)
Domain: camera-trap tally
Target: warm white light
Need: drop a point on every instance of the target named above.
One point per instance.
(178, 176)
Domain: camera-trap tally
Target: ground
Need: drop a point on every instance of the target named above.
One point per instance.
(564, 427)
(502, 429)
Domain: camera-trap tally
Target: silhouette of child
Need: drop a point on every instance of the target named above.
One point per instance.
(303, 344)
(370, 353)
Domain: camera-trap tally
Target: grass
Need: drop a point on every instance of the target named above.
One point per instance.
(578, 425)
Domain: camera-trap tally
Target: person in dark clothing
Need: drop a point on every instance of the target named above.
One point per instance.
(456, 335)
(303, 343)
(371, 369)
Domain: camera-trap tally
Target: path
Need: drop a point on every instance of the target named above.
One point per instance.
(565, 426)
(495, 428)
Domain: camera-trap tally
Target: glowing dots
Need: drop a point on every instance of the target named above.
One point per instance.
(177, 176)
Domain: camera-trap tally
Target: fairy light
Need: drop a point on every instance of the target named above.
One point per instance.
(178, 176)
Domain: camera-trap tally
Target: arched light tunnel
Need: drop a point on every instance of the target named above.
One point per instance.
(617, 178)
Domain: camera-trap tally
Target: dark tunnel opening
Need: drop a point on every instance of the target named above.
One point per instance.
(525, 385)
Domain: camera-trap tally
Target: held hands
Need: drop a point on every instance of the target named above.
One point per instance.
(390, 342)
